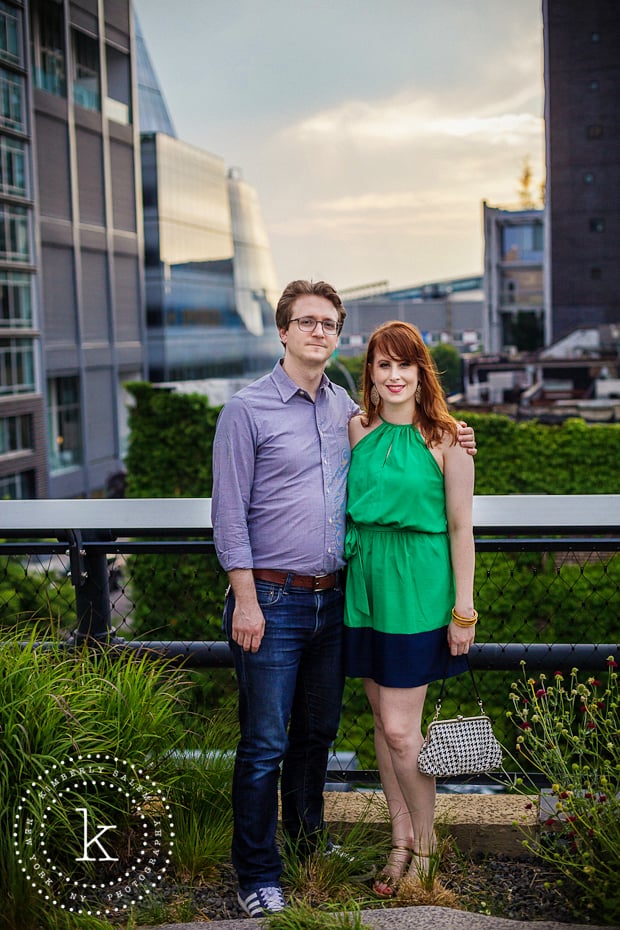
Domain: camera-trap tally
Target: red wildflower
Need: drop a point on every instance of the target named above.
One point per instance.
(612, 663)
(525, 725)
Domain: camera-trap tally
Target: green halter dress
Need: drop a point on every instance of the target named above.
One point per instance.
(400, 584)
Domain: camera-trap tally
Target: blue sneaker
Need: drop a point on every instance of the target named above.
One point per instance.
(262, 901)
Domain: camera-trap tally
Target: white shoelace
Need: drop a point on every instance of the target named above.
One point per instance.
(272, 899)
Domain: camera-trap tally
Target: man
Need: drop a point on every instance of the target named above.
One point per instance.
(280, 461)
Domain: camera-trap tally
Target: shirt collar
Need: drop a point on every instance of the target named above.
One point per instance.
(287, 388)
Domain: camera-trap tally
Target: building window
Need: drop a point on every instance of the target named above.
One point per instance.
(9, 34)
(11, 100)
(12, 167)
(64, 423)
(15, 300)
(86, 90)
(595, 131)
(16, 434)
(588, 178)
(18, 487)
(594, 85)
(597, 224)
(117, 105)
(523, 242)
(16, 366)
(48, 46)
(595, 37)
(14, 244)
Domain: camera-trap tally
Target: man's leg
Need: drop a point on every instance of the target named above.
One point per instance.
(314, 722)
(266, 681)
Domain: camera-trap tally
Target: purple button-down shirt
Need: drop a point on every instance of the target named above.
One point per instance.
(280, 465)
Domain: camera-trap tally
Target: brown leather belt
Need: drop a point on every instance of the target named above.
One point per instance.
(311, 582)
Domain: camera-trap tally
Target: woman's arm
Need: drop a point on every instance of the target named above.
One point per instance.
(459, 487)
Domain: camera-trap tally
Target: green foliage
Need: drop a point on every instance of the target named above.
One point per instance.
(449, 367)
(170, 455)
(354, 367)
(533, 458)
(57, 706)
(303, 916)
(171, 443)
(28, 596)
(569, 730)
(201, 799)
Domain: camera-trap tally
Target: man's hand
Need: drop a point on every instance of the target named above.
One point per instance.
(248, 621)
(466, 437)
(248, 627)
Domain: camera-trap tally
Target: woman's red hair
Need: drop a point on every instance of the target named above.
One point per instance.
(403, 342)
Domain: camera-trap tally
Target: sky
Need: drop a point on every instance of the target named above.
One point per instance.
(371, 130)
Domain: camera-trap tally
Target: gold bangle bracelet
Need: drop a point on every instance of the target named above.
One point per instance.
(464, 621)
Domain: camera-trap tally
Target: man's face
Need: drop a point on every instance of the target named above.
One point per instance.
(305, 343)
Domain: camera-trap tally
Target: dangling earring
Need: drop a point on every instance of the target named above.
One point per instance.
(374, 396)
(418, 393)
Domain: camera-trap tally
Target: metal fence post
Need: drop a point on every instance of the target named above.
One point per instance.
(91, 578)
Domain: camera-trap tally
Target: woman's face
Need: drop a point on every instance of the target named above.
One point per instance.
(396, 381)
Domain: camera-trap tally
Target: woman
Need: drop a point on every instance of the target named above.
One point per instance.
(409, 612)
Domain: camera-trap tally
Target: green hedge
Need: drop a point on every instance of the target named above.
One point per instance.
(533, 458)
(170, 451)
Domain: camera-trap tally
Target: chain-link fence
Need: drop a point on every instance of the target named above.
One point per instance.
(546, 603)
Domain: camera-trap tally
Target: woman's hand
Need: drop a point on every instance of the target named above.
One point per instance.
(460, 638)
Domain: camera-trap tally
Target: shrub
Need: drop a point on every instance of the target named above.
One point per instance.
(569, 731)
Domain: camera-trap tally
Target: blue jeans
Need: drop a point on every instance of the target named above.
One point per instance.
(290, 696)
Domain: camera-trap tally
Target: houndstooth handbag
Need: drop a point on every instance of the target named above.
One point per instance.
(460, 745)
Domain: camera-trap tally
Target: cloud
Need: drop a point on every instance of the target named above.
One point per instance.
(403, 120)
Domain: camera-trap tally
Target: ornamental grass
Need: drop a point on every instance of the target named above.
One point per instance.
(85, 706)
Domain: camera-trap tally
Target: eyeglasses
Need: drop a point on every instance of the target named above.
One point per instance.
(308, 324)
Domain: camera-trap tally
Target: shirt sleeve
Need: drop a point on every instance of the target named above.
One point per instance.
(234, 453)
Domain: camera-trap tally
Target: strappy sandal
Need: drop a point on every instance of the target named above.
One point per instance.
(387, 882)
(420, 866)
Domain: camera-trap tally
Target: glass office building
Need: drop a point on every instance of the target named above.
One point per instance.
(209, 300)
(210, 283)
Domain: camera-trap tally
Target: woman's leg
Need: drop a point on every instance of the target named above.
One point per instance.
(398, 712)
(402, 827)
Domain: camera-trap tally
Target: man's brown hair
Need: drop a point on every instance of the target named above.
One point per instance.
(300, 288)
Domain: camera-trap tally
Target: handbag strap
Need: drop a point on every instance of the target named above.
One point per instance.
(475, 687)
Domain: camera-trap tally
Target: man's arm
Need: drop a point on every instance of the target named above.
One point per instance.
(234, 454)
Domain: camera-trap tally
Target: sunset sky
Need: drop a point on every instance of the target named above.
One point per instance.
(371, 131)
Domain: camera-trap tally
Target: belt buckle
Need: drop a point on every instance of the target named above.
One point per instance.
(317, 582)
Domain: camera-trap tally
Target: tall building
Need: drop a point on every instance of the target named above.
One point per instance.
(211, 287)
(90, 232)
(23, 470)
(514, 305)
(70, 243)
(582, 119)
